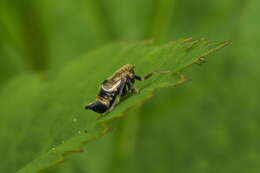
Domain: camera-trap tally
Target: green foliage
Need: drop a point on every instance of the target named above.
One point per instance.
(209, 125)
(51, 112)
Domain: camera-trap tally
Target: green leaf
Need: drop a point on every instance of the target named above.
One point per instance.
(43, 121)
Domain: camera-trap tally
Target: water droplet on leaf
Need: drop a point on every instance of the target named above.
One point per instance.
(75, 120)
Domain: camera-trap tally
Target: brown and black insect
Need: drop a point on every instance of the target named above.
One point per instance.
(120, 84)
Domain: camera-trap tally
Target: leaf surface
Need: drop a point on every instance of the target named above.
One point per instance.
(44, 120)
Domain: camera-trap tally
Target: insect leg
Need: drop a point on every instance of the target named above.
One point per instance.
(125, 89)
(131, 87)
(123, 83)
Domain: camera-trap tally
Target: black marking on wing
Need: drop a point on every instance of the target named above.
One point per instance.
(105, 94)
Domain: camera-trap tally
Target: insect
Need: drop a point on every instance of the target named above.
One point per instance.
(120, 84)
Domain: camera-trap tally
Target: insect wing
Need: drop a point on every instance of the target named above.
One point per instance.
(111, 87)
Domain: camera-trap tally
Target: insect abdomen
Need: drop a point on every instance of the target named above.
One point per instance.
(97, 107)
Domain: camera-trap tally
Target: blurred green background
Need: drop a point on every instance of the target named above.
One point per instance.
(208, 125)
